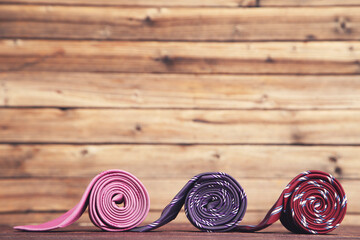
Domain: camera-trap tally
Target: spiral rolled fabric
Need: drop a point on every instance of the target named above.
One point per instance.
(102, 195)
(213, 202)
(313, 202)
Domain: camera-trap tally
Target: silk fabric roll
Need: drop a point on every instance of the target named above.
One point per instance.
(313, 202)
(102, 195)
(212, 201)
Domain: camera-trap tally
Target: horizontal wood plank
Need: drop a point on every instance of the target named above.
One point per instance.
(19, 218)
(303, 3)
(174, 162)
(251, 217)
(189, 3)
(179, 126)
(181, 24)
(181, 57)
(60, 194)
(178, 231)
(178, 91)
(152, 3)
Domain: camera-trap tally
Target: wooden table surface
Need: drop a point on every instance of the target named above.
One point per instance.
(175, 231)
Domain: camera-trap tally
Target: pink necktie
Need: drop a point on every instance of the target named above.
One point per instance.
(102, 195)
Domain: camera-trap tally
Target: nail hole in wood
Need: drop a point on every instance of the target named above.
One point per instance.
(269, 59)
(138, 127)
(216, 155)
(84, 152)
(338, 170)
(333, 159)
(148, 20)
(310, 37)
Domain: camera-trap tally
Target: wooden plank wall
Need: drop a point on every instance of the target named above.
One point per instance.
(262, 90)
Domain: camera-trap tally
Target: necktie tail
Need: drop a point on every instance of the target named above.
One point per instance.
(102, 195)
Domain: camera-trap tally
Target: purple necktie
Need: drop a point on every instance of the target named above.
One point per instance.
(313, 202)
(102, 195)
(212, 201)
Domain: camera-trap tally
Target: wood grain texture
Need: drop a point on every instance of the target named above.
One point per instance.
(210, 91)
(180, 24)
(178, 231)
(22, 218)
(181, 57)
(179, 126)
(303, 3)
(60, 194)
(174, 162)
(189, 3)
(152, 3)
(169, 89)
(251, 217)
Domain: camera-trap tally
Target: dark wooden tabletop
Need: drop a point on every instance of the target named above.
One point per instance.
(174, 231)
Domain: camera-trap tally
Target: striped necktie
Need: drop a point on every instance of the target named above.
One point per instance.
(213, 201)
(313, 202)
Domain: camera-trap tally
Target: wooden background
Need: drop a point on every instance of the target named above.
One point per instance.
(262, 90)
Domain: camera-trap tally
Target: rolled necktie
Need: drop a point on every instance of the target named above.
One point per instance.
(212, 201)
(313, 202)
(102, 195)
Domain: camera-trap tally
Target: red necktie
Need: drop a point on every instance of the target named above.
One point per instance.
(313, 202)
